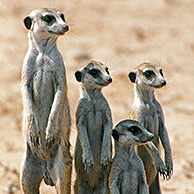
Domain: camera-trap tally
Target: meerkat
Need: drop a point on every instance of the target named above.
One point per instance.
(93, 151)
(148, 111)
(127, 173)
(46, 114)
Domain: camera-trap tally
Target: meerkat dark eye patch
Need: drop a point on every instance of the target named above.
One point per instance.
(94, 72)
(134, 130)
(63, 17)
(161, 73)
(49, 19)
(149, 74)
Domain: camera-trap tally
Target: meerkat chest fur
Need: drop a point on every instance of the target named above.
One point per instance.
(44, 76)
(129, 163)
(145, 107)
(95, 108)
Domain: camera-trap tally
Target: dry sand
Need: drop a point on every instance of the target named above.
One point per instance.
(121, 34)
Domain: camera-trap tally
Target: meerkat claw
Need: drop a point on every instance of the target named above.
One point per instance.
(50, 140)
(105, 162)
(88, 165)
(35, 140)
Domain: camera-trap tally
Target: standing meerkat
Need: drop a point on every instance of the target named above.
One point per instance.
(46, 115)
(127, 173)
(148, 111)
(93, 149)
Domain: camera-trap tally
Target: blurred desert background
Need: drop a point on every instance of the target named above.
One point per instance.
(121, 34)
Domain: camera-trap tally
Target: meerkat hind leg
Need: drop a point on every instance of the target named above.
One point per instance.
(60, 171)
(155, 186)
(82, 188)
(31, 174)
(148, 162)
(103, 186)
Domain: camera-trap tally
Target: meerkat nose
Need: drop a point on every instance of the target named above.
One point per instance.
(110, 79)
(163, 82)
(66, 28)
(151, 137)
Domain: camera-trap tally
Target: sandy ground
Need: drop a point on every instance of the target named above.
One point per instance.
(121, 34)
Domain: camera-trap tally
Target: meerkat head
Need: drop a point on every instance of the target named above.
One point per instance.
(131, 132)
(94, 75)
(148, 75)
(46, 23)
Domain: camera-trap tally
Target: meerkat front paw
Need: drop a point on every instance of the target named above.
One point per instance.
(88, 162)
(32, 130)
(105, 159)
(160, 167)
(34, 138)
(169, 167)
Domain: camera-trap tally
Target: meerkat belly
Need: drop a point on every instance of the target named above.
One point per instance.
(43, 97)
(152, 124)
(129, 182)
(95, 134)
(43, 88)
(91, 178)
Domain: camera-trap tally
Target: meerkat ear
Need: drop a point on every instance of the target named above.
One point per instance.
(28, 22)
(132, 76)
(78, 76)
(115, 135)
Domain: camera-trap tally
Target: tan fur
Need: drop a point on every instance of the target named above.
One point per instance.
(94, 125)
(147, 110)
(127, 173)
(46, 115)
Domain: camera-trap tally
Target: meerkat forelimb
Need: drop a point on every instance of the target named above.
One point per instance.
(94, 124)
(127, 173)
(46, 115)
(148, 111)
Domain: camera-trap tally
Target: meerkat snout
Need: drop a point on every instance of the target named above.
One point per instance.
(66, 28)
(163, 82)
(151, 137)
(109, 80)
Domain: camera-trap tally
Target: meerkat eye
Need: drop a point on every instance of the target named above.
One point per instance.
(63, 17)
(161, 73)
(107, 71)
(148, 74)
(134, 130)
(94, 72)
(49, 19)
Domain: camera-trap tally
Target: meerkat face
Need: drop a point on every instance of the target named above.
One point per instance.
(46, 23)
(148, 75)
(94, 75)
(131, 132)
